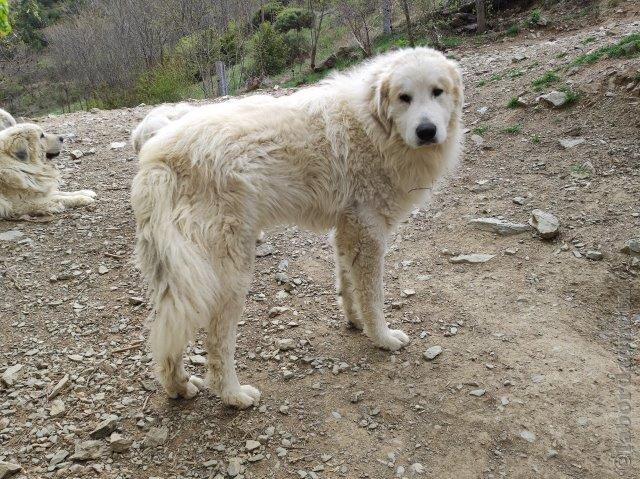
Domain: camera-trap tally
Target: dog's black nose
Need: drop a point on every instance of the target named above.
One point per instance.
(61, 139)
(426, 132)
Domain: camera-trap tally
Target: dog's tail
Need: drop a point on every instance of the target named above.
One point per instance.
(182, 283)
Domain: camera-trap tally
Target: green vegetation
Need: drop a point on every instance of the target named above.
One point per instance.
(293, 18)
(5, 26)
(513, 30)
(451, 42)
(513, 129)
(535, 139)
(534, 17)
(545, 80)
(480, 130)
(572, 96)
(164, 84)
(268, 50)
(513, 102)
(626, 47)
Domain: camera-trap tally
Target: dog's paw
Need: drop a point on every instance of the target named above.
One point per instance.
(188, 390)
(393, 340)
(243, 397)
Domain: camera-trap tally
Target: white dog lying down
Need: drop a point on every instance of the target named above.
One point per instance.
(353, 154)
(28, 182)
(156, 119)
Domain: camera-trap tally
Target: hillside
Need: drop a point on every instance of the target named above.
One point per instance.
(534, 341)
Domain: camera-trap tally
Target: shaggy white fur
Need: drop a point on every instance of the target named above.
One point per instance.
(156, 119)
(351, 155)
(28, 182)
(6, 120)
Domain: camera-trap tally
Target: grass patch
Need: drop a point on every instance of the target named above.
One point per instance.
(535, 139)
(513, 102)
(626, 47)
(588, 40)
(451, 42)
(545, 80)
(482, 82)
(535, 17)
(513, 129)
(513, 30)
(480, 130)
(515, 73)
(572, 96)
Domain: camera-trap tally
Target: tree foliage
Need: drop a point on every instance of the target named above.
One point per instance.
(268, 49)
(293, 18)
(5, 26)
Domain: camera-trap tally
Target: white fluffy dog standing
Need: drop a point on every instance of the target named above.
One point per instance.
(352, 154)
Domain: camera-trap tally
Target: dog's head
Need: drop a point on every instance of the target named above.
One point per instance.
(27, 143)
(418, 95)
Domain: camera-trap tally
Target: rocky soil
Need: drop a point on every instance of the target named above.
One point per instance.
(524, 357)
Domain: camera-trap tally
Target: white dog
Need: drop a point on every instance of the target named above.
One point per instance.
(6, 120)
(156, 119)
(353, 154)
(28, 181)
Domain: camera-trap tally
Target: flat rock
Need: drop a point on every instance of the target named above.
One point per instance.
(477, 140)
(554, 98)
(545, 223)
(87, 450)
(477, 392)
(118, 145)
(527, 435)
(632, 247)
(594, 255)
(118, 443)
(105, 428)
(57, 408)
(234, 467)
(11, 235)
(471, 258)
(156, 436)
(251, 445)
(501, 227)
(568, 143)
(264, 249)
(8, 469)
(285, 344)
(10, 375)
(433, 352)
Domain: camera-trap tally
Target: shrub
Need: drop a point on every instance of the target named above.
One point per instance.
(267, 13)
(268, 50)
(513, 102)
(231, 43)
(164, 83)
(513, 129)
(298, 46)
(513, 30)
(293, 18)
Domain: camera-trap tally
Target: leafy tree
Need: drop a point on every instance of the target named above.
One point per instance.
(5, 26)
(293, 18)
(268, 49)
(267, 13)
(27, 23)
(231, 43)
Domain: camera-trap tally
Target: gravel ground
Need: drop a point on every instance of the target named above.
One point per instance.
(534, 352)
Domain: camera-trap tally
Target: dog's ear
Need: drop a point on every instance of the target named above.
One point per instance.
(458, 87)
(380, 102)
(18, 148)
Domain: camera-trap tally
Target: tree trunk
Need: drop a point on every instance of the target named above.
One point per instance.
(315, 35)
(407, 19)
(480, 13)
(387, 27)
(221, 73)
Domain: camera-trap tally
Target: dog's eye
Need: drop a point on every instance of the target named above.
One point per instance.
(41, 135)
(437, 91)
(405, 98)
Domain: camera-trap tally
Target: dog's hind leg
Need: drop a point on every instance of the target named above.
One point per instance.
(234, 255)
(363, 242)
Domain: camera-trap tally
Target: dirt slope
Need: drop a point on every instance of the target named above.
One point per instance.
(542, 331)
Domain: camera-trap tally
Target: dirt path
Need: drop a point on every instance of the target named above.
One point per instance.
(532, 340)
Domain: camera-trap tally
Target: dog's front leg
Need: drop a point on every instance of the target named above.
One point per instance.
(362, 239)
